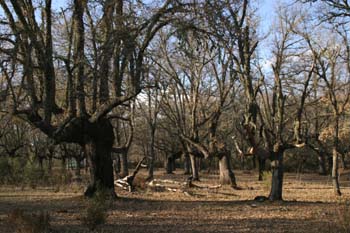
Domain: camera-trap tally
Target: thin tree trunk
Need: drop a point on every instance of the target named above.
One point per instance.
(342, 160)
(335, 176)
(124, 170)
(152, 155)
(226, 174)
(195, 172)
(262, 162)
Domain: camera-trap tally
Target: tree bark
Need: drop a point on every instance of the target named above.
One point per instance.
(124, 170)
(335, 179)
(152, 154)
(194, 167)
(187, 164)
(101, 170)
(262, 162)
(226, 174)
(342, 160)
(277, 176)
(169, 165)
(116, 164)
(199, 163)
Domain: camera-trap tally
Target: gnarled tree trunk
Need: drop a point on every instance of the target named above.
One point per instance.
(98, 149)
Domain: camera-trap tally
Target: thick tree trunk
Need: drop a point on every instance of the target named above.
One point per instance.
(187, 164)
(124, 170)
(101, 170)
(226, 174)
(169, 165)
(98, 148)
(277, 177)
(335, 179)
(194, 168)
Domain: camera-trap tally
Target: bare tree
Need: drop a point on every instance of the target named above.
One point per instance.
(83, 123)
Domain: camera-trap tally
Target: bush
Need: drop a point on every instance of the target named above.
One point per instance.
(29, 222)
(96, 211)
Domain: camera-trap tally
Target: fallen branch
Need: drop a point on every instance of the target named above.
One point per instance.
(127, 182)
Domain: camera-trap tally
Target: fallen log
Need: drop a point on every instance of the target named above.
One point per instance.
(126, 183)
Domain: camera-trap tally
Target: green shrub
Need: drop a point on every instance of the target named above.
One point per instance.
(96, 211)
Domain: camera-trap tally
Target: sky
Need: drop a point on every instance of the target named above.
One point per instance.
(265, 11)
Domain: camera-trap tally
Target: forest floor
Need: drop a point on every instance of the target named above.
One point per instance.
(309, 206)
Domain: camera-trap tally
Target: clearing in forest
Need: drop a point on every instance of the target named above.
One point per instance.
(309, 206)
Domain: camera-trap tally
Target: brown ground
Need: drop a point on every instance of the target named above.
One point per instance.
(309, 206)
